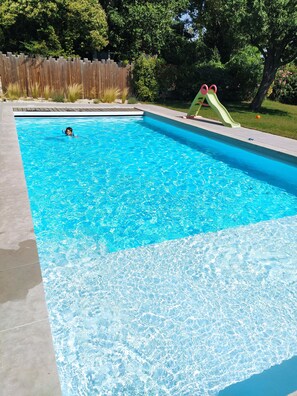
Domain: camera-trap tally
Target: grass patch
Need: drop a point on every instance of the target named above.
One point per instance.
(276, 118)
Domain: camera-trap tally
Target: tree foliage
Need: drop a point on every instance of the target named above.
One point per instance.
(141, 27)
(48, 27)
(218, 25)
(272, 28)
(192, 39)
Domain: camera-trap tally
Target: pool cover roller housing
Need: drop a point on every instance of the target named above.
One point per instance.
(210, 94)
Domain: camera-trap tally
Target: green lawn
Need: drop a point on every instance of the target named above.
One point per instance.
(276, 118)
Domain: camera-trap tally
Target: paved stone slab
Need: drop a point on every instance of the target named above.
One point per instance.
(27, 366)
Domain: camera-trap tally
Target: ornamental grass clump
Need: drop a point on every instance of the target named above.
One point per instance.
(93, 93)
(35, 90)
(74, 92)
(124, 95)
(46, 92)
(13, 91)
(110, 95)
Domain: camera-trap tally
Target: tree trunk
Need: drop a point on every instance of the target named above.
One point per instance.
(269, 72)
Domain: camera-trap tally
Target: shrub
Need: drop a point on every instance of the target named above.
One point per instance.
(284, 88)
(74, 92)
(132, 100)
(124, 94)
(110, 95)
(167, 78)
(185, 82)
(58, 96)
(245, 70)
(145, 77)
(190, 78)
(236, 80)
(13, 91)
(35, 90)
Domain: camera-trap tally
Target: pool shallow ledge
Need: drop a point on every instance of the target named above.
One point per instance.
(280, 379)
(27, 357)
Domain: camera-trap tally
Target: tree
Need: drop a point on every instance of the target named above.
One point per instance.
(272, 27)
(269, 25)
(141, 27)
(218, 26)
(52, 27)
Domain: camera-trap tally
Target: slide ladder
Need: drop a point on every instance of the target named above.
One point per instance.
(210, 94)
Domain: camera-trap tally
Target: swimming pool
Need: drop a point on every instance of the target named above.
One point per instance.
(208, 223)
(129, 185)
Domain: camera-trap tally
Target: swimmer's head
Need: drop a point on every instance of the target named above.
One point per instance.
(69, 131)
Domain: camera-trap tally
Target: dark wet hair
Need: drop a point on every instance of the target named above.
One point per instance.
(68, 129)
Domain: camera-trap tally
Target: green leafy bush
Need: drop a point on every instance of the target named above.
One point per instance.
(236, 80)
(189, 79)
(245, 70)
(58, 96)
(145, 77)
(167, 78)
(132, 100)
(214, 73)
(284, 88)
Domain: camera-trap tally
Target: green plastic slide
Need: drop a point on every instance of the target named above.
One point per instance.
(211, 97)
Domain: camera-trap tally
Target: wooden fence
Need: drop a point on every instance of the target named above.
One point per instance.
(57, 74)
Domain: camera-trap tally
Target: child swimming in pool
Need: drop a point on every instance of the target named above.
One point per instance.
(69, 132)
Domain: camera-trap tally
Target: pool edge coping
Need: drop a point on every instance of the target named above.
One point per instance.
(260, 141)
(28, 361)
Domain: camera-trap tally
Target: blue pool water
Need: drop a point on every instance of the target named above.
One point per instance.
(211, 305)
(129, 185)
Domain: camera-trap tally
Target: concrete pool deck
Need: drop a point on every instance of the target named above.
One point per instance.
(27, 355)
